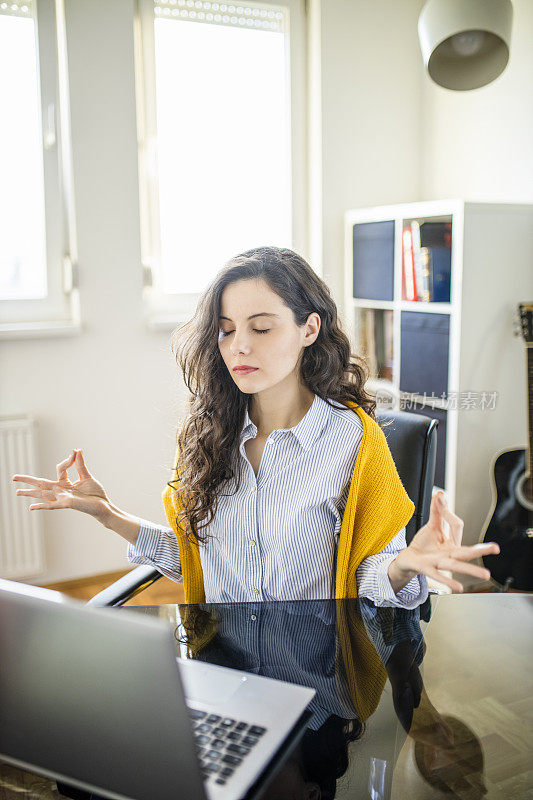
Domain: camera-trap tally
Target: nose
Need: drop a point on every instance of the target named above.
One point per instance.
(240, 343)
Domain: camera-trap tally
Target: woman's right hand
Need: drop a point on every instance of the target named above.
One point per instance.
(85, 495)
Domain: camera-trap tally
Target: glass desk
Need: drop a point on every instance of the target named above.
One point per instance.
(404, 708)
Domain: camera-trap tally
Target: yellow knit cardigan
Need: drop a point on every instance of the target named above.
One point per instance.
(376, 509)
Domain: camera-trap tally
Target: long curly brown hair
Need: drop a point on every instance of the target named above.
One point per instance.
(208, 442)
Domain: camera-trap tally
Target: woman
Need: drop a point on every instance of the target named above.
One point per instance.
(284, 485)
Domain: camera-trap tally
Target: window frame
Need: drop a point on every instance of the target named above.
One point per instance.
(56, 314)
(164, 311)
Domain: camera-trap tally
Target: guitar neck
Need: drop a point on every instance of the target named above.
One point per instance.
(529, 350)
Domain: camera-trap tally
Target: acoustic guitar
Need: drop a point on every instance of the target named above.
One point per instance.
(510, 520)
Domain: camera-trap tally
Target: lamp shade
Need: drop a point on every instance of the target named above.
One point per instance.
(465, 43)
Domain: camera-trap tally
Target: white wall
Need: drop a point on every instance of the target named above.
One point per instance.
(372, 76)
(115, 391)
(479, 144)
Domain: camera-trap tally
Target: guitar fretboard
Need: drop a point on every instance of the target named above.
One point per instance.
(529, 349)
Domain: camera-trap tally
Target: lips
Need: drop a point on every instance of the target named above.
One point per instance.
(244, 370)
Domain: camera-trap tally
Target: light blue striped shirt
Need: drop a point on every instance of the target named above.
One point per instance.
(276, 537)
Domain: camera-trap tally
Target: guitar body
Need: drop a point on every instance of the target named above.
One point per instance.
(511, 523)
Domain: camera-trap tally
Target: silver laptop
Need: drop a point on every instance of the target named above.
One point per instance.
(97, 699)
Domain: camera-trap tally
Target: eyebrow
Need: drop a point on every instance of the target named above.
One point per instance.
(262, 314)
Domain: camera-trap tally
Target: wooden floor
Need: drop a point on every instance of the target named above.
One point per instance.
(161, 592)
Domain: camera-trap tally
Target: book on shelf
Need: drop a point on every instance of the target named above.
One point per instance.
(409, 276)
(436, 234)
(367, 340)
(427, 260)
(375, 341)
(427, 272)
(421, 275)
(388, 339)
(439, 260)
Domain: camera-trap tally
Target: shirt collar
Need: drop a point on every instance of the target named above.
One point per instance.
(306, 431)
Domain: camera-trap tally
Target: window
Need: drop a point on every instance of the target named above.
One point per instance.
(220, 91)
(35, 275)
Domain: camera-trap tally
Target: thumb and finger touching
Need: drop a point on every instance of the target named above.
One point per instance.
(449, 554)
(83, 472)
(439, 513)
(62, 467)
(62, 493)
(75, 459)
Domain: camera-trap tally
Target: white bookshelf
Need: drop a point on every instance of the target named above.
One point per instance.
(491, 272)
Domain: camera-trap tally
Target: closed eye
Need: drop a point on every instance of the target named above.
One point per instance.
(227, 333)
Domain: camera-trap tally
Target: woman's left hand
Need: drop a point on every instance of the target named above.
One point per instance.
(431, 550)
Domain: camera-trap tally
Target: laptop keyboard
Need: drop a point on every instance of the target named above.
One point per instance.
(222, 743)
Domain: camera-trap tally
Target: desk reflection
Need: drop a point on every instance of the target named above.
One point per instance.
(340, 649)
(345, 650)
(404, 707)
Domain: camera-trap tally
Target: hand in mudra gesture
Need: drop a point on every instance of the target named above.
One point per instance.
(85, 494)
(431, 550)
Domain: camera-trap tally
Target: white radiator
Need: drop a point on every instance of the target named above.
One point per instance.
(21, 531)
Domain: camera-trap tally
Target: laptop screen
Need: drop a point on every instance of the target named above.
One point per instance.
(92, 698)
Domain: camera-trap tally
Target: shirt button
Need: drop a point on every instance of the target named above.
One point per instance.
(252, 543)
(253, 618)
(254, 489)
(256, 591)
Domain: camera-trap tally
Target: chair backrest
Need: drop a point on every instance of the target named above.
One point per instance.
(412, 440)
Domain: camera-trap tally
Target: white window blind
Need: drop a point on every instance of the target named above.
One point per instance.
(259, 17)
(17, 9)
(215, 141)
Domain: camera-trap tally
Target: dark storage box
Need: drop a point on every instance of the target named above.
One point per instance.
(424, 352)
(373, 260)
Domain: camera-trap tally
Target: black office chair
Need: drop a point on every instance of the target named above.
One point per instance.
(412, 439)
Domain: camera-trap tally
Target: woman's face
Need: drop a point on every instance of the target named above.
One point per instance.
(258, 330)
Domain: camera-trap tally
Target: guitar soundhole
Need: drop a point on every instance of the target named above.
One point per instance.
(524, 491)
